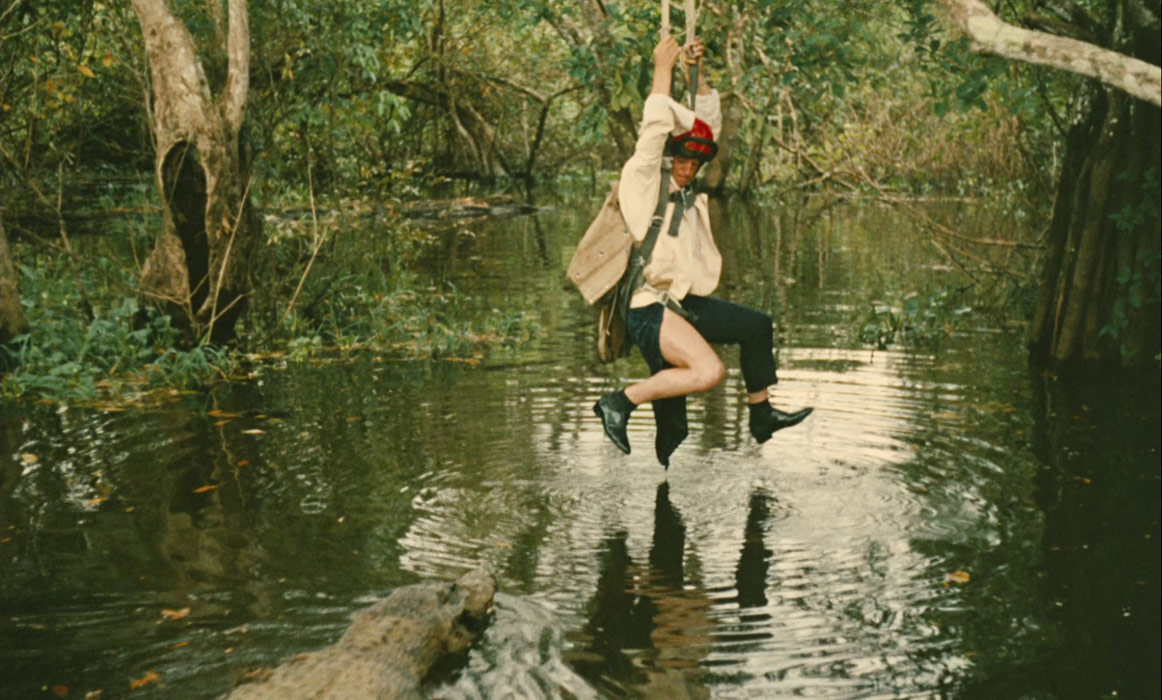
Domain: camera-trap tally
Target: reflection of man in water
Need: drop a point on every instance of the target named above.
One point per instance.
(647, 634)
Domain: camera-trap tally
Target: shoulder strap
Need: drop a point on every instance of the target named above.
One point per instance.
(647, 246)
(640, 257)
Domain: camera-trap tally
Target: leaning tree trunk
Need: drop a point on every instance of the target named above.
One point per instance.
(198, 269)
(1099, 296)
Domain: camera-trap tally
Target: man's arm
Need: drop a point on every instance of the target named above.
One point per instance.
(665, 56)
(708, 107)
(661, 117)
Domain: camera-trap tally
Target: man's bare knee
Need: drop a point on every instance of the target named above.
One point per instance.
(709, 374)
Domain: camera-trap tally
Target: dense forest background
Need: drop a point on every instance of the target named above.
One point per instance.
(359, 109)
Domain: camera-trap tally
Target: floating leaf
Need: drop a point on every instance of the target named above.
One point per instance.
(86, 71)
(94, 501)
(60, 690)
(219, 413)
(167, 614)
(959, 577)
(206, 488)
(243, 462)
(179, 645)
(148, 678)
(254, 431)
(28, 459)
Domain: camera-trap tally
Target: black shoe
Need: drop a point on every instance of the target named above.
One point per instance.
(764, 425)
(615, 419)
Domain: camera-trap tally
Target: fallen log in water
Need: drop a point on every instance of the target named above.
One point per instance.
(389, 648)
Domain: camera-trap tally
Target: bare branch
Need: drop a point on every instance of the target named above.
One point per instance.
(238, 74)
(990, 35)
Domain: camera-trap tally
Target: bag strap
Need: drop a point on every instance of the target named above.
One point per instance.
(647, 246)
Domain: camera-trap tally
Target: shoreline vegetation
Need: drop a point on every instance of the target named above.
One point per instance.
(94, 341)
(419, 122)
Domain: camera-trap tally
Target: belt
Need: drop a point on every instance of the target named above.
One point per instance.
(664, 298)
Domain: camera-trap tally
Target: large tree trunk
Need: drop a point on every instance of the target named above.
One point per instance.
(12, 319)
(1099, 297)
(714, 179)
(199, 267)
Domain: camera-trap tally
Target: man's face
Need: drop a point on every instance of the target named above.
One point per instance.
(684, 170)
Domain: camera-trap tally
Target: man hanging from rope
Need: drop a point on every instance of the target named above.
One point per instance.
(672, 318)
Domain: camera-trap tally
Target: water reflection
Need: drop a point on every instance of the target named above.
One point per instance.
(646, 628)
(1099, 490)
(816, 564)
(754, 559)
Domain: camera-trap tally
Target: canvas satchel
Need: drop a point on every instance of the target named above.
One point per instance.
(613, 269)
(603, 253)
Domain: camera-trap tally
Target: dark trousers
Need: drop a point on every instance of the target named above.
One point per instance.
(719, 322)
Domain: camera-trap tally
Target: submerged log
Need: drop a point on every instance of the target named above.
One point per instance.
(389, 648)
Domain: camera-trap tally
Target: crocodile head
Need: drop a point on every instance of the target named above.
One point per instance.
(472, 595)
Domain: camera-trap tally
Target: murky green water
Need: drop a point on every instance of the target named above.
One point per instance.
(941, 526)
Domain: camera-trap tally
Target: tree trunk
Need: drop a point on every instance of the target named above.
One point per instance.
(198, 269)
(1099, 296)
(12, 319)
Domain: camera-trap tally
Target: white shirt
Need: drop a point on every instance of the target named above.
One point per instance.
(688, 263)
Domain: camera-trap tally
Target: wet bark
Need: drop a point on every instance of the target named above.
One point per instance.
(12, 319)
(1099, 296)
(198, 269)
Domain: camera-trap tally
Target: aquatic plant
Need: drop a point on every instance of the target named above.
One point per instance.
(915, 321)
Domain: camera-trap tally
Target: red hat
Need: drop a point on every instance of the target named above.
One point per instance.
(698, 143)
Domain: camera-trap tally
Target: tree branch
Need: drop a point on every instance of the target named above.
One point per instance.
(238, 74)
(990, 35)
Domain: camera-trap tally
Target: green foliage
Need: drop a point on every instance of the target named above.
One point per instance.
(69, 90)
(917, 321)
(123, 346)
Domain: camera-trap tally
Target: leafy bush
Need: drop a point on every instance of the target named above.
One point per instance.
(917, 321)
(101, 344)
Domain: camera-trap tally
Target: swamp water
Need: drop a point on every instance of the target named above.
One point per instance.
(944, 525)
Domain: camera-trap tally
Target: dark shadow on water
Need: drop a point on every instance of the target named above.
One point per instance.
(754, 559)
(1098, 487)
